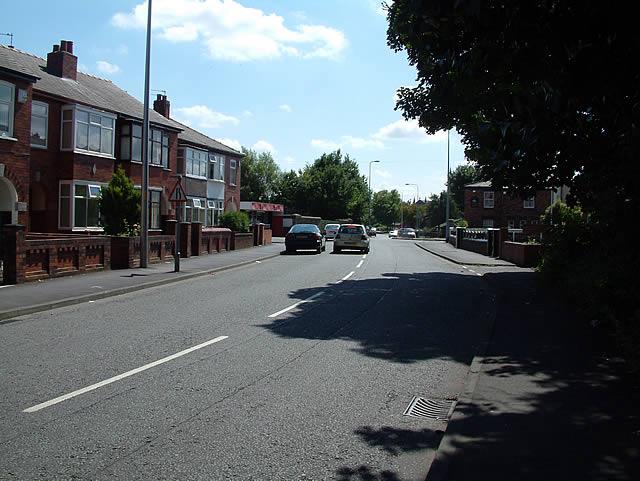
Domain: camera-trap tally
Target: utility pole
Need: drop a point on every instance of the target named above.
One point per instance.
(446, 220)
(144, 224)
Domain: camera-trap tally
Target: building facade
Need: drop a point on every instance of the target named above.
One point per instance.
(64, 132)
(486, 207)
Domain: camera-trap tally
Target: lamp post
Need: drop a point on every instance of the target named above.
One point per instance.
(370, 162)
(144, 224)
(418, 198)
(446, 215)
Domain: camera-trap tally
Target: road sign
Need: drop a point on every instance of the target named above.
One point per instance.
(178, 194)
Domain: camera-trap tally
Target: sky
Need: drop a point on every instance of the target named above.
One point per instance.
(296, 78)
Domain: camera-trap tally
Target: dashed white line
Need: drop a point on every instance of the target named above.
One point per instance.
(364, 256)
(359, 264)
(348, 275)
(100, 384)
(293, 306)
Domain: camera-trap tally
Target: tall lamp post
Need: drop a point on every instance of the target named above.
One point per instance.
(446, 215)
(370, 162)
(418, 198)
(144, 224)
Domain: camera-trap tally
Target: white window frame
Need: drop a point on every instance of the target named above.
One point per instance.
(217, 206)
(489, 199)
(159, 224)
(72, 204)
(46, 124)
(12, 106)
(201, 161)
(218, 167)
(74, 127)
(233, 171)
(529, 202)
(488, 223)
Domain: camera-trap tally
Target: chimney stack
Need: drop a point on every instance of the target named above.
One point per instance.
(162, 105)
(61, 62)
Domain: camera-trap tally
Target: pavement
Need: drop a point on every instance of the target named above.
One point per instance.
(30, 297)
(445, 250)
(545, 398)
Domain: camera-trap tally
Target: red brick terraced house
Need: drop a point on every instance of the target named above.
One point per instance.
(63, 133)
(486, 207)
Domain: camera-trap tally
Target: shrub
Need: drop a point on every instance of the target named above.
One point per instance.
(236, 221)
(119, 205)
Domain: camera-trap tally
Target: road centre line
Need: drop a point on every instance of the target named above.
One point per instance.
(113, 379)
(293, 306)
(348, 275)
(359, 264)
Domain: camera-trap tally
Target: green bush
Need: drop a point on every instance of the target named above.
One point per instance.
(119, 205)
(236, 221)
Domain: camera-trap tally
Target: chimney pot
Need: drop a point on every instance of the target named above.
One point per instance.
(63, 45)
(69, 46)
(56, 48)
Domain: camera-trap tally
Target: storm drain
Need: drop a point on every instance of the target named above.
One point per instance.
(439, 409)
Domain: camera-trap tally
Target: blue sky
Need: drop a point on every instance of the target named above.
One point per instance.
(295, 77)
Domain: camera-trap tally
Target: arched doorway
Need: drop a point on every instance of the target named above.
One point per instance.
(8, 200)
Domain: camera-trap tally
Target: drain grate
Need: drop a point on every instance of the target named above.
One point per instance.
(439, 409)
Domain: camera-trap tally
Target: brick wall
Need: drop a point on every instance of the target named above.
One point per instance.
(231, 192)
(505, 208)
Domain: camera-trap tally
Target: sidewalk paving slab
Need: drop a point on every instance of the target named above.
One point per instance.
(545, 400)
(460, 256)
(30, 297)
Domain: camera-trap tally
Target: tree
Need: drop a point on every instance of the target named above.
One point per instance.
(436, 212)
(385, 207)
(237, 221)
(459, 177)
(290, 192)
(259, 176)
(334, 189)
(119, 205)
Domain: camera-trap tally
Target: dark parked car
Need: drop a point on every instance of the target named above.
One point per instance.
(304, 236)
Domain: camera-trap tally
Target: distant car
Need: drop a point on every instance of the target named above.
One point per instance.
(351, 236)
(407, 233)
(304, 236)
(393, 233)
(330, 231)
(371, 232)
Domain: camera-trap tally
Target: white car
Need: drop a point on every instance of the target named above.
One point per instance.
(407, 233)
(330, 231)
(351, 236)
(393, 234)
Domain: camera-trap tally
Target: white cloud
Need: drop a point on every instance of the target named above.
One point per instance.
(231, 31)
(264, 146)
(286, 108)
(234, 144)
(348, 141)
(106, 67)
(204, 117)
(408, 130)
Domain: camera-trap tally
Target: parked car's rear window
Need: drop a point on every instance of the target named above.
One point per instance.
(351, 229)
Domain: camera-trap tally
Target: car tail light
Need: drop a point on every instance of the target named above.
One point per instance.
(318, 236)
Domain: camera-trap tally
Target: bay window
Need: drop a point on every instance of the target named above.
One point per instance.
(87, 131)
(131, 145)
(216, 167)
(214, 211)
(39, 123)
(7, 105)
(196, 163)
(78, 205)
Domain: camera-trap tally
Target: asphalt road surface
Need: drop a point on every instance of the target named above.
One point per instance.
(299, 367)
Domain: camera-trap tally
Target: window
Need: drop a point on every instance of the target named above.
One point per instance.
(78, 205)
(529, 202)
(487, 222)
(154, 209)
(488, 200)
(233, 171)
(7, 99)
(195, 211)
(131, 145)
(87, 130)
(216, 167)
(39, 123)
(511, 223)
(214, 211)
(158, 148)
(196, 163)
(523, 222)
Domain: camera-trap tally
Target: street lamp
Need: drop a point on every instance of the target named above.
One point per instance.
(446, 215)
(144, 224)
(370, 162)
(418, 198)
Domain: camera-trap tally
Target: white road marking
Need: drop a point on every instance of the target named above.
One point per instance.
(293, 306)
(364, 256)
(8, 285)
(359, 264)
(348, 275)
(97, 385)
(258, 262)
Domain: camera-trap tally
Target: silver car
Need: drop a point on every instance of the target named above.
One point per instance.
(351, 236)
(330, 231)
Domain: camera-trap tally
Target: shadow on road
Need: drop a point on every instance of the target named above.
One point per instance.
(551, 402)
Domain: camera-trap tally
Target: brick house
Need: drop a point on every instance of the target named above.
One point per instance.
(485, 207)
(63, 133)
(211, 172)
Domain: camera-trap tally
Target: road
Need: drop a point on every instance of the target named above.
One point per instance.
(246, 386)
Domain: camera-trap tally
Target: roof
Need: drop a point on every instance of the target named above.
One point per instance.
(194, 137)
(479, 184)
(87, 89)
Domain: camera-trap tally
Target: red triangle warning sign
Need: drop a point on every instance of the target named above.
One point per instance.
(178, 194)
